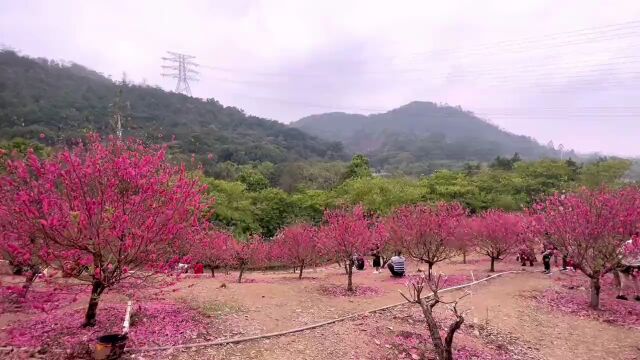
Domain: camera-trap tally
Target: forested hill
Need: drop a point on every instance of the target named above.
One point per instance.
(63, 101)
(422, 132)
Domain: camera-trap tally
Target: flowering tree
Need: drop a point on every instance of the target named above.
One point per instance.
(464, 239)
(214, 249)
(425, 233)
(496, 234)
(18, 244)
(104, 212)
(591, 227)
(246, 254)
(346, 234)
(297, 246)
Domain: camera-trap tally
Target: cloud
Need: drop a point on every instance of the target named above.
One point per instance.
(525, 65)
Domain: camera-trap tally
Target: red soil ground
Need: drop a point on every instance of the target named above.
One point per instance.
(508, 319)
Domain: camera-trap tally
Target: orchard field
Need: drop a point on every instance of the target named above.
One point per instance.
(86, 230)
(514, 316)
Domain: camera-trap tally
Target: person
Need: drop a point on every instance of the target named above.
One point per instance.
(627, 276)
(377, 261)
(546, 259)
(396, 265)
(198, 268)
(526, 255)
(565, 262)
(359, 260)
(182, 268)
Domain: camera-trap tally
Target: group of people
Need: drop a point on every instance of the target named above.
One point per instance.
(396, 264)
(626, 275)
(528, 256)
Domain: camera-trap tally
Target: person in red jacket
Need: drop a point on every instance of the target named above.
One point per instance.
(198, 268)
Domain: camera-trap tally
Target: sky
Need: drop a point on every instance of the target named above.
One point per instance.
(560, 71)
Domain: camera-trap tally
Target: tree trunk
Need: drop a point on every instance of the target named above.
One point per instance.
(434, 331)
(301, 267)
(493, 267)
(448, 341)
(350, 276)
(240, 275)
(430, 267)
(33, 274)
(464, 257)
(90, 317)
(595, 292)
(213, 272)
(346, 268)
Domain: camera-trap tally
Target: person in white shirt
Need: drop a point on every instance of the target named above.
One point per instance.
(627, 275)
(397, 265)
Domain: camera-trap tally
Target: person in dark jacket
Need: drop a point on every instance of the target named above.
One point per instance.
(359, 263)
(546, 259)
(377, 261)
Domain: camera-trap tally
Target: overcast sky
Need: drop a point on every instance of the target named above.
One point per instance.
(565, 71)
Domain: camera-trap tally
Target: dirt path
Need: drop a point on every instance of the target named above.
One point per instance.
(504, 304)
(504, 318)
(555, 335)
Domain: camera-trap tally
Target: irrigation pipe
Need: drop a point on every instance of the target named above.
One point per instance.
(304, 328)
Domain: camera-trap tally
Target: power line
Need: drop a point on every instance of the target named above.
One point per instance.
(596, 79)
(485, 70)
(182, 69)
(602, 33)
(601, 76)
(532, 73)
(606, 31)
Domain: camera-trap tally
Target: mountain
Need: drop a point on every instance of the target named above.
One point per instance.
(422, 132)
(65, 100)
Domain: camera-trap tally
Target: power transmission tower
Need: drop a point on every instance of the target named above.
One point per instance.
(181, 66)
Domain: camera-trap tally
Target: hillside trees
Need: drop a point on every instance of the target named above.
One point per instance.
(65, 101)
(358, 168)
(604, 172)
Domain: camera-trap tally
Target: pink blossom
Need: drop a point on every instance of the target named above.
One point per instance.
(104, 205)
(497, 234)
(591, 228)
(346, 234)
(296, 246)
(425, 233)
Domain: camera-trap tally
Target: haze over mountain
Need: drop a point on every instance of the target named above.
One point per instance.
(63, 101)
(564, 71)
(423, 132)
